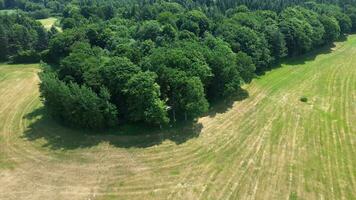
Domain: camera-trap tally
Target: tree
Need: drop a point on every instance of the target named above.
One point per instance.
(60, 44)
(184, 57)
(149, 30)
(68, 23)
(115, 74)
(312, 18)
(185, 94)
(298, 32)
(81, 59)
(194, 21)
(4, 41)
(351, 13)
(344, 22)
(143, 99)
(242, 38)
(275, 39)
(227, 74)
(332, 28)
(193, 102)
(22, 38)
(77, 105)
(245, 66)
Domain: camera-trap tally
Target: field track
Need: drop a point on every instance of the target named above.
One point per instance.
(268, 146)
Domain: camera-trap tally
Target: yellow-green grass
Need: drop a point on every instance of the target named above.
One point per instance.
(268, 146)
(49, 22)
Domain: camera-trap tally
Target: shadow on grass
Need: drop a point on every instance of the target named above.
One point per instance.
(58, 137)
(224, 105)
(311, 56)
(304, 58)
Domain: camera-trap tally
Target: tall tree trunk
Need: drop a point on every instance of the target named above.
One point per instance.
(174, 115)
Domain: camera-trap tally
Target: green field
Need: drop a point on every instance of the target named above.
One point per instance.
(268, 146)
(49, 22)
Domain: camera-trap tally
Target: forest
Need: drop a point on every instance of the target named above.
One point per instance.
(158, 62)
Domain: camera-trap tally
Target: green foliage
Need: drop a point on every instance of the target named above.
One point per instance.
(332, 28)
(160, 61)
(304, 99)
(77, 105)
(149, 30)
(143, 99)
(193, 102)
(28, 56)
(194, 21)
(22, 38)
(60, 44)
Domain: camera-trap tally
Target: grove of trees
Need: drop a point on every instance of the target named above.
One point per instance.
(161, 61)
(22, 39)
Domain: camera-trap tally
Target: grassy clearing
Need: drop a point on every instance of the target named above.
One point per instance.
(268, 146)
(49, 22)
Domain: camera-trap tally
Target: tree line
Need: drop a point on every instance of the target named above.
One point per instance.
(22, 38)
(157, 62)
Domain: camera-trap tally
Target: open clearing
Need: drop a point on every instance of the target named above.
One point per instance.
(268, 146)
(49, 22)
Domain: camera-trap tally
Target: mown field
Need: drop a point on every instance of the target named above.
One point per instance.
(49, 22)
(267, 146)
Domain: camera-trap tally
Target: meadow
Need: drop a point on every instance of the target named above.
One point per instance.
(49, 22)
(269, 145)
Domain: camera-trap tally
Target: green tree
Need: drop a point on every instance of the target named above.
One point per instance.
(297, 31)
(226, 73)
(77, 105)
(80, 60)
(143, 97)
(245, 67)
(149, 30)
(193, 102)
(194, 21)
(332, 28)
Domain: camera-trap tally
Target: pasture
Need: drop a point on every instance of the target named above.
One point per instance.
(270, 145)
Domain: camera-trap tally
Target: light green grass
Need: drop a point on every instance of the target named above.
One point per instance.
(268, 146)
(49, 22)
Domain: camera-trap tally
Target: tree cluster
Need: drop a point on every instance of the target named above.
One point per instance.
(22, 38)
(158, 61)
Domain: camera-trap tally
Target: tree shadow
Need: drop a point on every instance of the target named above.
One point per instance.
(308, 57)
(303, 58)
(222, 106)
(59, 137)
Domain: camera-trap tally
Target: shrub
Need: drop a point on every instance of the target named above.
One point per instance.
(304, 99)
(28, 56)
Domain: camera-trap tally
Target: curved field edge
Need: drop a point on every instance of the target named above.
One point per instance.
(268, 146)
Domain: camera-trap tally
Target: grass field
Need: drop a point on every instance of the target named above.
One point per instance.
(268, 146)
(49, 22)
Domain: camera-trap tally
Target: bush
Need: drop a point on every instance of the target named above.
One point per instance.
(28, 56)
(304, 99)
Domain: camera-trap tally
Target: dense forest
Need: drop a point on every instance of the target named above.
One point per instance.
(158, 62)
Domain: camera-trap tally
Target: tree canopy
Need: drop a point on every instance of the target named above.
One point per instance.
(157, 62)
